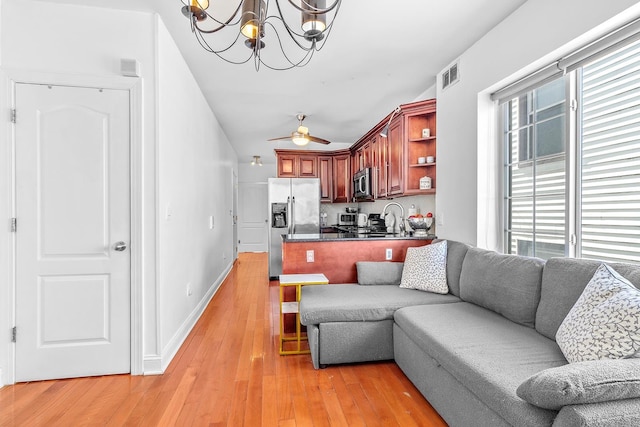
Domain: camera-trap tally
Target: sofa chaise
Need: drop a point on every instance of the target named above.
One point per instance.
(484, 353)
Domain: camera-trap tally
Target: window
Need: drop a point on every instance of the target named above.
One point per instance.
(572, 163)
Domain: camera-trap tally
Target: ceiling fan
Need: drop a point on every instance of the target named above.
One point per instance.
(301, 136)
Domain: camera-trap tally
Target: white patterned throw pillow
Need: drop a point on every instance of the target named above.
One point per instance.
(605, 321)
(425, 268)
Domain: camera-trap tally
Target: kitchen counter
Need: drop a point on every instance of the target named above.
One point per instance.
(336, 254)
(341, 236)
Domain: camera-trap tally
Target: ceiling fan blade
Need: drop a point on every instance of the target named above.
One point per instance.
(282, 138)
(319, 140)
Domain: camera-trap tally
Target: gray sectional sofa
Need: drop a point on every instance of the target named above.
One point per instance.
(475, 351)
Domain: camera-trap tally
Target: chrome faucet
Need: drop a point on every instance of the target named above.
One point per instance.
(401, 225)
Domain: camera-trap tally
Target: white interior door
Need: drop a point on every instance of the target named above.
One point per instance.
(253, 212)
(73, 229)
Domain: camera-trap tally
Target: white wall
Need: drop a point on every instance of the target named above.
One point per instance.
(195, 165)
(192, 170)
(535, 33)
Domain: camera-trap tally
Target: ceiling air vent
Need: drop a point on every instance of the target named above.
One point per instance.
(451, 75)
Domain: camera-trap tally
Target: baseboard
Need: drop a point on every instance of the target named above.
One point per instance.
(172, 347)
(152, 365)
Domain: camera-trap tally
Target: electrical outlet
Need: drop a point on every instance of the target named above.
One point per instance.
(310, 255)
(439, 218)
(389, 254)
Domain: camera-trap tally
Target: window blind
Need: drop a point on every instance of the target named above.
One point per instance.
(610, 166)
(627, 34)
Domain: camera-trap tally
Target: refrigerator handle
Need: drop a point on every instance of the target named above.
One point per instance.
(289, 225)
(293, 215)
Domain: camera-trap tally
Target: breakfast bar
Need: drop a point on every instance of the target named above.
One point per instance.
(335, 254)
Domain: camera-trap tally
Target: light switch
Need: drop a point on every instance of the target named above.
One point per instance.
(389, 254)
(211, 222)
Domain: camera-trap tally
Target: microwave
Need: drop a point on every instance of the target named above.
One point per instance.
(347, 218)
(362, 184)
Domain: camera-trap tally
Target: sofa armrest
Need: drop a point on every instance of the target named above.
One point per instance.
(583, 383)
(616, 413)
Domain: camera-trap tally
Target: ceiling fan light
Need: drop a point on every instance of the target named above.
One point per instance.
(299, 138)
(253, 12)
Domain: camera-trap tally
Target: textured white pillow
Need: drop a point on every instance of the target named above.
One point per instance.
(425, 268)
(604, 323)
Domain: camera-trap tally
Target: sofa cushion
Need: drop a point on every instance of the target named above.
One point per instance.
(355, 303)
(486, 352)
(583, 382)
(506, 284)
(615, 413)
(456, 251)
(563, 281)
(379, 272)
(605, 321)
(425, 268)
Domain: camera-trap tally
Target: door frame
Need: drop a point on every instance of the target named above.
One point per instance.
(134, 86)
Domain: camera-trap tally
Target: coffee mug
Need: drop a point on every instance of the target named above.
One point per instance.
(421, 160)
(430, 159)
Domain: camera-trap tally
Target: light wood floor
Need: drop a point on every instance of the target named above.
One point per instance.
(229, 373)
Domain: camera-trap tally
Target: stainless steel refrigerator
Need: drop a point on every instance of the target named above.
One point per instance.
(294, 205)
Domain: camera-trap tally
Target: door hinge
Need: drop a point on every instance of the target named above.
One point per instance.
(14, 225)
(14, 332)
(13, 115)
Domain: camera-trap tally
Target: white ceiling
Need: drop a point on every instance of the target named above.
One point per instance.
(379, 54)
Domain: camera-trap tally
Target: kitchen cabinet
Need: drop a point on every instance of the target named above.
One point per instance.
(379, 165)
(396, 161)
(420, 146)
(332, 167)
(395, 148)
(342, 178)
(292, 165)
(362, 158)
(325, 173)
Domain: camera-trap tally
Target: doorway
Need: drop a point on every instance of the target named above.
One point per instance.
(253, 210)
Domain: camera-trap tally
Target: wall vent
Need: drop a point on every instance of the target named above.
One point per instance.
(451, 75)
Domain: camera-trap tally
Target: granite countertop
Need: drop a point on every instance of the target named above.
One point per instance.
(332, 237)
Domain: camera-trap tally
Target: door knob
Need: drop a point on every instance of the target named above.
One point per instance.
(120, 246)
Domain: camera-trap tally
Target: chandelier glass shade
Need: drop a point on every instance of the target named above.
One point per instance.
(280, 41)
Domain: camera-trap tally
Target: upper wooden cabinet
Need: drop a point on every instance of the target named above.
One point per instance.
(342, 178)
(291, 165)
(398, 161)
(420, 146)
(325, 173)
(332, 167)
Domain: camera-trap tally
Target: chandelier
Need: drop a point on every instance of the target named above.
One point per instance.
(245, 30)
